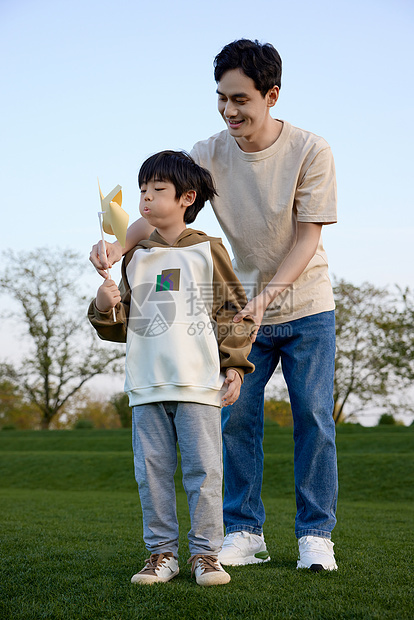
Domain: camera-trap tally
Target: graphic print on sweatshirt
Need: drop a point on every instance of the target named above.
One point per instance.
(170, 286)
(168, 280)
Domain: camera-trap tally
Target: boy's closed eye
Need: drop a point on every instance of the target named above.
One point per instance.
(156, 189)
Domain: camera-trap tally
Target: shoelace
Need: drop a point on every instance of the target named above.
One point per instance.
(208, 562)
(154, 561)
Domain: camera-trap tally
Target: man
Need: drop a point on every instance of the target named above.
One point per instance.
(276, 188)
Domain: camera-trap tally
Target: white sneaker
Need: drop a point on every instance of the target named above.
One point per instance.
(160, 567)
(241, 548)
(316, 553)
(208, 570)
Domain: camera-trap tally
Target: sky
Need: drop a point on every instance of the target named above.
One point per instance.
(91, 88)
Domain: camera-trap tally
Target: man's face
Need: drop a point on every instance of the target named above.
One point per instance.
(243, 108)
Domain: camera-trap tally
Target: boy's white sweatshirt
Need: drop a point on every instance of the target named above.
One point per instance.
(176, 315)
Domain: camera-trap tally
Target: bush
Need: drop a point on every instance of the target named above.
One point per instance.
(387, 418)
(83, 424)
(96, 409)
(120, 402)
(278, 411)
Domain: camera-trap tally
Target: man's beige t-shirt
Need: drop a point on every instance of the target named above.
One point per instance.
(261, 198)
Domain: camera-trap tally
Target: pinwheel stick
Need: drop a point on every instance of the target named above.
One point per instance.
(100, 216)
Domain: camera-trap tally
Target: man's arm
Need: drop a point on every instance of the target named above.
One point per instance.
(304, 249)
(315, 199)
(139, 230)
(229, 298)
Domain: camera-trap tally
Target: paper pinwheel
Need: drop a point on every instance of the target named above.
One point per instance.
(115, 219)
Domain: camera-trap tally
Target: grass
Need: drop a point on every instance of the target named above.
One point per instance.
(71, 534)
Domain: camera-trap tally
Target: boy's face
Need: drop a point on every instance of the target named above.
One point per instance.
(244, 110)
(159, 205)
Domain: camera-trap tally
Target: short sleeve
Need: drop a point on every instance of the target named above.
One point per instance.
(316, 194)
(195, 155)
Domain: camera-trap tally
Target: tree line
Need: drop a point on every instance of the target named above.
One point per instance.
(374, 361)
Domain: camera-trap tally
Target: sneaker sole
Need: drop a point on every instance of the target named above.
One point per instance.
(213, 580)
(251, 559)
(148, 580)
(316, 568)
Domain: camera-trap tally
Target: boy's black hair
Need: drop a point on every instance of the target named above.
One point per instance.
(180, 169)
(260, 62)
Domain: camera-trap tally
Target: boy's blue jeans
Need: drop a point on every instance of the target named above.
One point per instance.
(306, 348)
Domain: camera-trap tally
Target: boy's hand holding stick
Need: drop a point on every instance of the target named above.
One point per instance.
(100, 215)
(114, 221)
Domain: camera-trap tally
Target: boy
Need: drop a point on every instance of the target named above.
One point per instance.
(177, 286)
(276, 188)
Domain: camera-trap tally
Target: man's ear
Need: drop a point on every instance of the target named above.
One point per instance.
(272, 96)
(189, 197)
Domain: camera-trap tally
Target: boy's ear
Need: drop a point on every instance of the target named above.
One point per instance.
(272, 96)
(189, 197)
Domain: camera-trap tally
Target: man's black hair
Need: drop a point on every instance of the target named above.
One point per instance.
(260, 62)
(180, 169)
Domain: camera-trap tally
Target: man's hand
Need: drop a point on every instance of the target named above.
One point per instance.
(107, 296)
(308, 235)
(102, 260)
(233, 380)
(255, 310)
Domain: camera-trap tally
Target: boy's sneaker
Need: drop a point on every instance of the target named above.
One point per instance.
(160, 567)
(208, 570)
(241, 548)
(316, 553)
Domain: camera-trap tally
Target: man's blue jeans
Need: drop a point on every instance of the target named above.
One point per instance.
(306, 348)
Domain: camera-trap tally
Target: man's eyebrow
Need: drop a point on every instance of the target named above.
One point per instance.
(235, 96)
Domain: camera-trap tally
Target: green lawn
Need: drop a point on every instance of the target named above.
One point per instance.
(71, 534)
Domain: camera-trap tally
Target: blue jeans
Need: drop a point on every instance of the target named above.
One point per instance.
(306, 348)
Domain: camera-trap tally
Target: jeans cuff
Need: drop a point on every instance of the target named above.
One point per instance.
(319, 533)
(244, 528)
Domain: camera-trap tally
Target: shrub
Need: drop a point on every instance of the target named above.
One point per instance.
(278, 411)
(387, 418)
(84, 424)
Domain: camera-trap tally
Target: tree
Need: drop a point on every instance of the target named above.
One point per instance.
(15, 412)
(120, 403)
(98, 412)
(374, 347)
(278, 411)
(400, 335)
(64, 352)
(387, 419)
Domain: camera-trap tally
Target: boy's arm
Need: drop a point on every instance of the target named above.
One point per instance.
(234, 382)
(139, 230)
(103, 321)
(229, 298)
